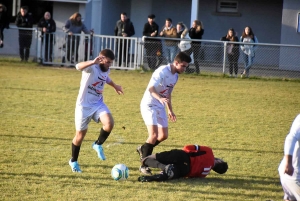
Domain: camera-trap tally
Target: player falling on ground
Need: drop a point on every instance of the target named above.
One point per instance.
(191, 161)
(90, 105)
(156, 97)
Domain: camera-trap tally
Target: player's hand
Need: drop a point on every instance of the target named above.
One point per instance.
(289, 169)
(172, 116)
(119, 89)
(163, 100)
(98, 59)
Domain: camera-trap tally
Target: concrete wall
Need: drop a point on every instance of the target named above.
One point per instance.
(290, 60)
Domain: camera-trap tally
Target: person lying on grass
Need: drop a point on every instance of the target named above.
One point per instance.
(191, 161)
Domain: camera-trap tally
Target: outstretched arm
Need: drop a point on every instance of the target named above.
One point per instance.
(117, 88)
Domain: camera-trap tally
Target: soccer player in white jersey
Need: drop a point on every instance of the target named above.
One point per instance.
(156, 97)
(289, 168)
(90, 105)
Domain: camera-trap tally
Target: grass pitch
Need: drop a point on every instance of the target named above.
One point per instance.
(245, 121)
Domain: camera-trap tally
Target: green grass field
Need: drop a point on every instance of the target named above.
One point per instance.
(245, 121)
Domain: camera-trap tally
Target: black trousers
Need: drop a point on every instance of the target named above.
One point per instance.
(153, 53)
(178, 158)
(72, 47)
(233, 63)
(25, 38)
(123, 49)
(48, 40)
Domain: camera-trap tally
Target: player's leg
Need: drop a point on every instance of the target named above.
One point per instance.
(82, 119)
(104, 116)
(290, 188)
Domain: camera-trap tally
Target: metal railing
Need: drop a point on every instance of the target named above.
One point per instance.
(212, 56)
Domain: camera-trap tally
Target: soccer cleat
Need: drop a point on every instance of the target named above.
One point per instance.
(75, 166)
(169, 171)
(139, 150)
(98, 148)
(156, 177)
(145, 170)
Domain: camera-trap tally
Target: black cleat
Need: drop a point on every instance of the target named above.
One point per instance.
(139, 150)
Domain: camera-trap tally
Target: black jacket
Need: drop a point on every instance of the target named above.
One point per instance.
(4, 19)
(195, 35)
(124, 27)
(49, 24)
(24, 22)
(149, 29)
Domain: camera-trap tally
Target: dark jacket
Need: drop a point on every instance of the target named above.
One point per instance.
(195, 35)
(124, 27)
(149, 29)
(235, 47)
(49, 24)
(24, 22)
(4, 20)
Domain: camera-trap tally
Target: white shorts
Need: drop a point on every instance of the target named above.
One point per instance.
(83, 115)
(290, 187)
(154, 116)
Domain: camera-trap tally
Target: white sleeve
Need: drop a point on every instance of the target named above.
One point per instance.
(292, 137)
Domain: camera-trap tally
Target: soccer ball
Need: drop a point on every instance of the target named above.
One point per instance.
(120, 172)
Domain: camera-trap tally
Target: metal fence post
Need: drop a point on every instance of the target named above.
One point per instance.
(224, 56)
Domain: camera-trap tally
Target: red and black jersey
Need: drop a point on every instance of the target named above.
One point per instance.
(201, 160)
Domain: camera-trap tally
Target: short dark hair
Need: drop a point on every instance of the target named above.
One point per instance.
(220, 168)
(108, 53)
(182, 56)
(169, 19)
(25, 7)
(124, 13)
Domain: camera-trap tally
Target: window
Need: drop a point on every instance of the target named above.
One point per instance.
(227, 6)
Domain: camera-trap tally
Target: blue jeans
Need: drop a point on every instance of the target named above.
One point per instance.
(248, 61)
(170, 53)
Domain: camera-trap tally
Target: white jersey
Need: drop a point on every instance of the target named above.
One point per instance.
(91, 86)
(163, 81)
(291, 147)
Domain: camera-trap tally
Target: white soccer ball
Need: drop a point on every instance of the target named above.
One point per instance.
(120, 172)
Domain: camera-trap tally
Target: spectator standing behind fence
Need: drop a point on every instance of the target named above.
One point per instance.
(47, 26)
(196, 32)
(248, 50)
(170, 47)
(182, 32)
(232, 50)
(74, 25)
(24, 20)
(289, 168)
(124, 28)
(152, 46)
(4, 22)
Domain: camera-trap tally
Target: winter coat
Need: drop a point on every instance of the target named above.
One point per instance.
(50, 25)
(124, 27)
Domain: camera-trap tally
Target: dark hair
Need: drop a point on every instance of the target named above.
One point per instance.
(124, 13)
(251, 34)
(169, 19)
(182, 56)
(151, 16)
(24, 7)
(220, 168)
(108, 53)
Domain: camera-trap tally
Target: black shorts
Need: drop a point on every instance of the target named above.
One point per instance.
(178, 158)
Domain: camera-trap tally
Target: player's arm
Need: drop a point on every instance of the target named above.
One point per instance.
(171, 114)
(117, 88)
(154, 93)
(289, 145)
(82, 65)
